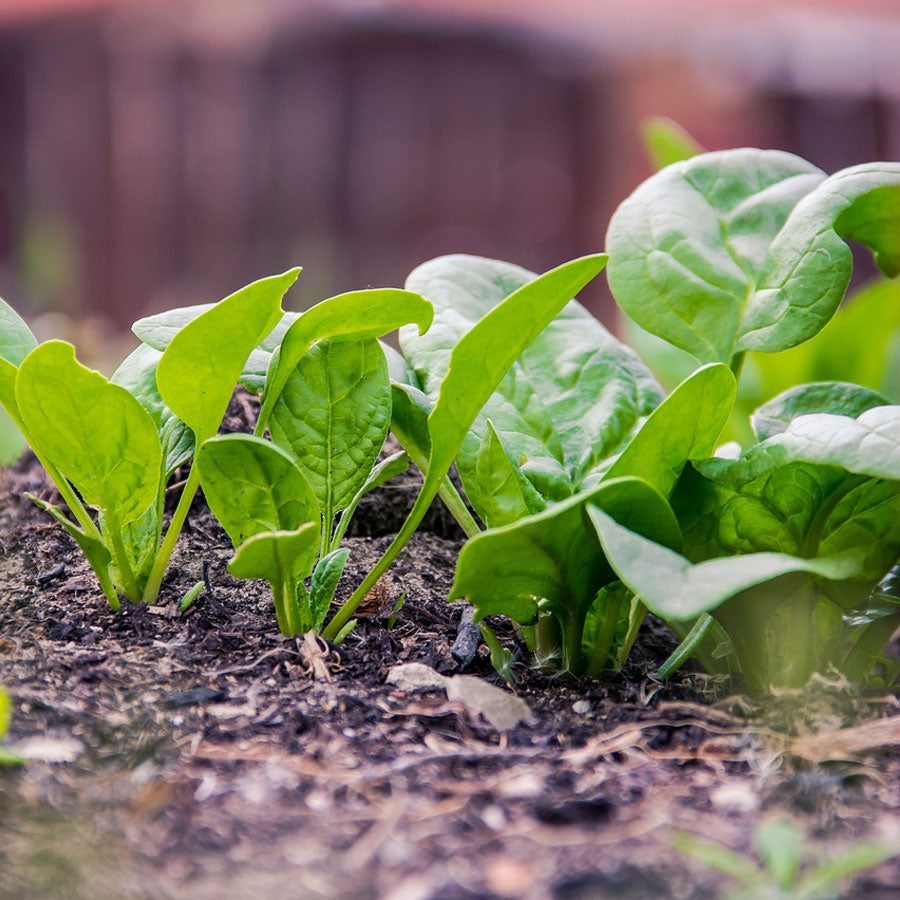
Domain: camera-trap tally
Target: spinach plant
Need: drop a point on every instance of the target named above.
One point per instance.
(113, 450)
(746, 250)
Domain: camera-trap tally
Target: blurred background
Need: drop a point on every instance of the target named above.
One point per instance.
(157, 154)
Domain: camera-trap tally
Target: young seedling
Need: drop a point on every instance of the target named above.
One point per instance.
(783, 870)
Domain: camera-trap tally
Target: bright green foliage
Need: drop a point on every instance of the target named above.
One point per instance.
(333, 416)
(689, 246)
(357, 316)
(478, 363)
(784, 871)
(546, 569)
(784, 546)
(550, 560)
(568, 401)
(839, 398)
(267, 506)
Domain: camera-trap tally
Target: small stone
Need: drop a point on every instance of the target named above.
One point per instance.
(581, 707)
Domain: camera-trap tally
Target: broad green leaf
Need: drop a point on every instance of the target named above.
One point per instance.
(356, 316)
(253, 486)
(398, 368)
(867, 445)
(859, 345)
(808, 265)
(686, 425)
(504, 494)
(552, 559)
(837, 397)
(332, 416)
(779, 843)
(203, 361)
(93, 431)
(324, 582)
(478, 363)
(137, 374)
(279, 557)
(666, 142)
(566, 403)
(689, 246)
(673, 587)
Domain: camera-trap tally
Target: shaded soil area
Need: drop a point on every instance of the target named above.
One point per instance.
(202, 755)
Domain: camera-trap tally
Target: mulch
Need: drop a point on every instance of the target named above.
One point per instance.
(203, 755)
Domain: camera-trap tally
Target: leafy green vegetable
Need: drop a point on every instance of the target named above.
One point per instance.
(689, 246)
(333, 416)
(568, 401)
(546, 569)
(839, 398)
(478, 363)
(784, 545)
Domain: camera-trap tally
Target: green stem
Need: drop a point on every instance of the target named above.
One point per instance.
(737, 364)
(123, 563)
(686, 648)
(599, 659)
(109, 590)
(416, 514)
(458, 509)
(161, 562)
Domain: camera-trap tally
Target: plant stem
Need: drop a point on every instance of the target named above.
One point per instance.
(123, 563)
(737, 364)
(686, 648)
(600, 652)
(458, 509)
(161, 562)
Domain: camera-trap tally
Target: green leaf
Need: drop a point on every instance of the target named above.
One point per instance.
(717, 856)
(203, 361)
(858, 346)
(551, 560)
(137, 374)
(666, 142)
(779, 843)
(565, 403)
(867, 445)
(95, 432)
(279, 557)
(690, 245)
(673, 587)
(356, 316)
(252, 487)
(333, 416)
(324, 582)
(478, 364)
(686, 425)
(808, 265)
(12, 442)
(839, 398)
(504, 493)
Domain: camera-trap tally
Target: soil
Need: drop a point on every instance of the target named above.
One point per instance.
(202, 755)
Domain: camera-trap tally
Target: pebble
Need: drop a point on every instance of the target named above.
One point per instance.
(582, 707)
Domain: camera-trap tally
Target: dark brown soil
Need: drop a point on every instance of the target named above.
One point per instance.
(203, 755)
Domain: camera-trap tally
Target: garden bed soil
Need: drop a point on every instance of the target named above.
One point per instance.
(203, 755)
